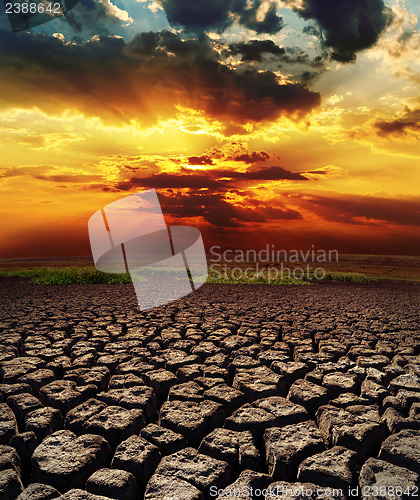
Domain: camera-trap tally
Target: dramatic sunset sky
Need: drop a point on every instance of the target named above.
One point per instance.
(285, 122)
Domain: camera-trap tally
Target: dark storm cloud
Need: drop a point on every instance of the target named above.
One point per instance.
(271, 23)
(255, 49)
(362, 210)
(348, 25)
(216, 210)
(253, 157)
(256, 96)
(409, 121)
(202, 15)
(46, 71)
(241, 95)
(259, 50)
(171, 181)
(308, 77)
(264, 174)
(273, 174)
(51, 53)
(210, 179)
(266, 55)
(198, 15)
(200, 160)
(154, 71)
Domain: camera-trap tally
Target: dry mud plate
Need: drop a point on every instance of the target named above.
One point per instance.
(235, 391)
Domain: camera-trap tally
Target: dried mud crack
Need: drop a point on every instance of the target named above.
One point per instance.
(256, 392)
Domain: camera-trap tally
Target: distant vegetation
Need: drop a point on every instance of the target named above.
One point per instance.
(341, 276)
(251, 279)
(88, 275)
(67, 276)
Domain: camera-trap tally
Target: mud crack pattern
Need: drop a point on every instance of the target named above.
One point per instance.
(235, 388)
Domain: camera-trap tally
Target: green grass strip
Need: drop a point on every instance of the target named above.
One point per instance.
(91, 276)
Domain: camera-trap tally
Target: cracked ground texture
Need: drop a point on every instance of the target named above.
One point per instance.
(248, 390)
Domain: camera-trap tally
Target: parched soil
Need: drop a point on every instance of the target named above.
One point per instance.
(245, 391)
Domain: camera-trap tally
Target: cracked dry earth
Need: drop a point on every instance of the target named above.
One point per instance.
(230, 389)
